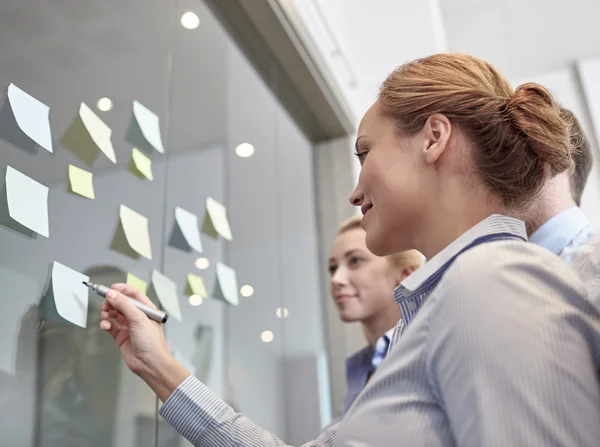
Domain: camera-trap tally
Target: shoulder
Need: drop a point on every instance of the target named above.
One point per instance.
(509, 273)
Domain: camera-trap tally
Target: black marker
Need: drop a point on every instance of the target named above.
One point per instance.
(154, 314)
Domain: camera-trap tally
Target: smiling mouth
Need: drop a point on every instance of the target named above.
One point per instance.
(343, 298)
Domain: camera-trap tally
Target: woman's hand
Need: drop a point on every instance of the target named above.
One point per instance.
(141, 340)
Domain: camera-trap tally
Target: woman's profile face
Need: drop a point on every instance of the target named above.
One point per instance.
(392, 186)
(361, 284)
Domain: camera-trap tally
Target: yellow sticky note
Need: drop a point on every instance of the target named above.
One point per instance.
(141, 165)
(215, 220)
(81, 182)
(136, 282)
(195, 286)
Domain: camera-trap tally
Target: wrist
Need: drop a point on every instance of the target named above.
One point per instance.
(164, 375)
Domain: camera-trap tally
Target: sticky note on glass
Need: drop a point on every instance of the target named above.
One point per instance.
(81, 182)
(226, 287)
(87, 136)
(132, 237)
(26, 204)
(141, 165)
(165, 291)
(195, 286)
(144, 129)
(136, 282)
(186, 232)
(67, 297)
(25, 121)
(215, 220)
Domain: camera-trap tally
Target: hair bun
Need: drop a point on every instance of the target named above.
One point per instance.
(535, 115)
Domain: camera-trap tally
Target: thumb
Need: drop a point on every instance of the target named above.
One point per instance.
(124, 305)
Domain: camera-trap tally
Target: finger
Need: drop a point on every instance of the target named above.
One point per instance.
(125, 306)
(132, 292)
(106, 325)
(107, 315)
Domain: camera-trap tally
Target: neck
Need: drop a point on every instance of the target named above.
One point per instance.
(448, 218)
(378, 325)
(554, 198)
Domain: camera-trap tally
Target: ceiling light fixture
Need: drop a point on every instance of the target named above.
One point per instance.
(190, 20)
(104, 104)
(244, 150)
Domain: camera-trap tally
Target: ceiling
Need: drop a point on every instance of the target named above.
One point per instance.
(523, 37)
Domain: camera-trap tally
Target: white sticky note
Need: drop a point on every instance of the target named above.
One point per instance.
(165, 290)
(149, 124)
(98, 130)
(188, 224)
(70, 294)
(226, 285)
(27, 201)
(216, 221)
(32, 116)
(136, 231)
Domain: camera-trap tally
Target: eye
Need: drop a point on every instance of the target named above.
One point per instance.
(332, 269)
(361, 156)
(355, 260)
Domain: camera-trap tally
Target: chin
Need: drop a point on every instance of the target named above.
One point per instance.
(377, 245)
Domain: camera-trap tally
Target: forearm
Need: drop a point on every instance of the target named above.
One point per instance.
(206, 421)
(164, 375)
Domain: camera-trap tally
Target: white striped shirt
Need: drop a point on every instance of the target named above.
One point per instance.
(499, 349)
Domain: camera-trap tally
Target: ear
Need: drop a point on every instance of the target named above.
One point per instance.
(437, 129)
(404, 273)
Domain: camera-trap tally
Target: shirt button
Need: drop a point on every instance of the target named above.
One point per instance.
(412, 306)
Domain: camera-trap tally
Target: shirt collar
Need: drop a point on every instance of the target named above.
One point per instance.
(494, 224)
(557, 232)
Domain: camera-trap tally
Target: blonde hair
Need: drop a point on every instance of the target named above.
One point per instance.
(518, 136)
(401, 260)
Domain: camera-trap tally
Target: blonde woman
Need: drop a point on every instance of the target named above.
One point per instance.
(361, 285)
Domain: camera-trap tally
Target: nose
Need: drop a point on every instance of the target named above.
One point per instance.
(357, 196)
(340, 277)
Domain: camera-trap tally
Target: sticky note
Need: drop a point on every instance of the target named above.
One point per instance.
(215, 220)
(132, 237)
(136, 282)
(195, 286)
(141, 165)
(26, 203)
(81, 182)
(25, 121)
(186, 233)
(165, 291)
(67, 297)
(144, 129)
(226, 287)
(87, 136)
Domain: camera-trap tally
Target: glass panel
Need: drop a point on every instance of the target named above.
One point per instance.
(63, 385)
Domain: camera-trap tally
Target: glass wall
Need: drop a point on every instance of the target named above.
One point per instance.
(64, 385)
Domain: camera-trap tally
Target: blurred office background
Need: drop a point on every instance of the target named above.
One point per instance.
(291, 79)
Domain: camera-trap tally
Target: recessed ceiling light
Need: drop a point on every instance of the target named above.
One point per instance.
(282, 312)
(104, 104)
(189, 20)
(247, 291)
(244, 150)
(267, 336)
(202, 263)
(196, 300)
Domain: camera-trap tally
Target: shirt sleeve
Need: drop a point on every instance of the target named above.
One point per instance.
(206, 421)
(512, 350)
